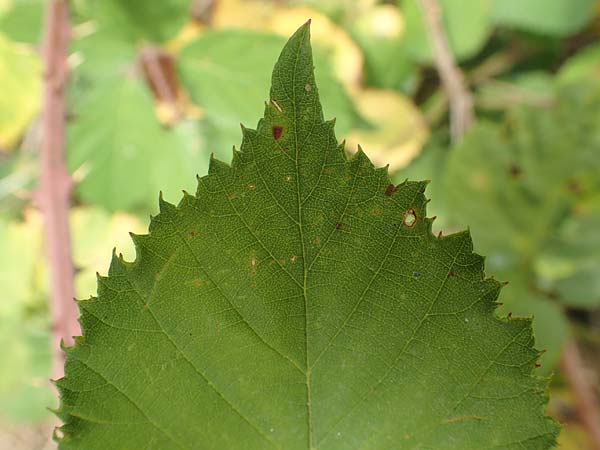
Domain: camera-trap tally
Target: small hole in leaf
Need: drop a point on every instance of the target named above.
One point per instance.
(277, 131)
(308, 87)
(410, 218)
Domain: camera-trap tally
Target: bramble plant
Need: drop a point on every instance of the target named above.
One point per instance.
(300, 301)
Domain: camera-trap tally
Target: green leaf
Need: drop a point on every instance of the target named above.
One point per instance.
(122, 154)
(139, 20)
(551, 17)
(570, 263)
(467, 23)
(221, 68)
(583, 65)
(300, 302)
(21, 20)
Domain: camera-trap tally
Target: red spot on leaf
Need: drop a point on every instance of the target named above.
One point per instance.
(390, 190)
(277, 131)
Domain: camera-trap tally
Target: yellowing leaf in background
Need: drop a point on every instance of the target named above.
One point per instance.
(20, 79)
(400, 130)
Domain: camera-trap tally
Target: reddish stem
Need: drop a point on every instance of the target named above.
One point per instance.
(55, 189)
(453, 81)
(574, 370)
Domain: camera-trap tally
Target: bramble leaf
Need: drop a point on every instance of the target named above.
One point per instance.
(121, 152)
(300, 301)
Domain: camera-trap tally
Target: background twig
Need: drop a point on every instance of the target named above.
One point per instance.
(55, 188)
(574, 370)
(461, 100)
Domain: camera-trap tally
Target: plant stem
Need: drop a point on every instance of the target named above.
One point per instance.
(574, 370)
(453, 81)
(55, 189)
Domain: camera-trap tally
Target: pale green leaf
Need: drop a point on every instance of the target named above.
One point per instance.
(140, 20)
(22, 20)
(121, 153)
(300, 302)
(552, 17)
(466, 22)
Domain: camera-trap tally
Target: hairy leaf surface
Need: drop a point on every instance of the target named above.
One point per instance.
(300, 301)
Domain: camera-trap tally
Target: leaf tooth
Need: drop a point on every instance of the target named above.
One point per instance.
(117, 265)
(217, 167)
(139, 242)
(236, 157)
(164, 206)
(187, 199)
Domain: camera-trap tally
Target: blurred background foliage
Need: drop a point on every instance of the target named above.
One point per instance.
(158, 86)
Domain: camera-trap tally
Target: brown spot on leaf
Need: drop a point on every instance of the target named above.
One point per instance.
(515, 170)
(390, 190)
(510, 314)
(450, 274)
(574, 187)
(198, 282)
(338, 226)
(277, 131)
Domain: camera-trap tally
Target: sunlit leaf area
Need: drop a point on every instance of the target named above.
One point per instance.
(155, 96)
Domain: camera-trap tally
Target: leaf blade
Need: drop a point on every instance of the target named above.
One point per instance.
(298, 302)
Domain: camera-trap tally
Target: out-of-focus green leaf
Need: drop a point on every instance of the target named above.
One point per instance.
(227, 74)
(20, 83)
(122, 154)
(553, 17)
(299, 301)
(466, 22)
(584, 65)
(570, 264)
(387, 64)
(139, 20)
(101, 56)
(25, 363)
(535, 88)
(21, 20)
